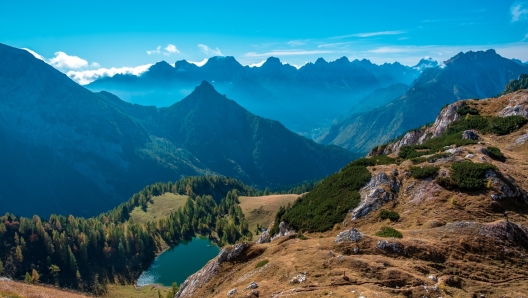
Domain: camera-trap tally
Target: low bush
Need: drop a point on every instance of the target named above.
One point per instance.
(496, 154)
(467, 110)
(393, 216)
(423, 172)
(261, 263)
(469, 175)
(389, 232)
(446, 182)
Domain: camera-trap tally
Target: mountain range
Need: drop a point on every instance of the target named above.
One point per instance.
(305, 100)
(467, 75)
(68, 150)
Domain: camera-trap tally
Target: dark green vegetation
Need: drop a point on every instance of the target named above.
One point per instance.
(87, 254)
(83, 153)
(465, 109)
(469, 175)
(496, 153)
(389, 233)
(329, 202)
(423, 172)
(261, 263)
(453, 135)
(387, 214)
(514, 85)
(466, 75)
(446, 182)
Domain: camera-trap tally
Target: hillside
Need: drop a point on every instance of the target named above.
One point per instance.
(429, 221)
(68, 150)
(466, 75)
(298, 98)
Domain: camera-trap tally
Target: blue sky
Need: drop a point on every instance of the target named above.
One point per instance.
(94, 36)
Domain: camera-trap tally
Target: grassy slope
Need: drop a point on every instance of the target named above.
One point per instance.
(117, 291)
(163, 206)
(262, 210)
(15, 289)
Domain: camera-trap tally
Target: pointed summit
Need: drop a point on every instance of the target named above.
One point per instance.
(183, 65)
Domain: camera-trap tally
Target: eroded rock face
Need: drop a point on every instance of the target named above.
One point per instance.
(200, 278)
(506, 187)
(284, 230)
(517, 105)
(394, 247)
(380, 190)
(417, 137)
(349, 235)
(264, 237)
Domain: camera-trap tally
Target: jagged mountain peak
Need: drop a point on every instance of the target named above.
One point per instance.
(320, 61)
(184, 65)
(424, 63)
(222, 61)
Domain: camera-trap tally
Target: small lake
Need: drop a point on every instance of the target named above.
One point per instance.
(179, 262)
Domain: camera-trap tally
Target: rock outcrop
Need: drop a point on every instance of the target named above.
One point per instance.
(516, 105)
(380, 190)
(349, 235)
(200, 278)
(284, 230)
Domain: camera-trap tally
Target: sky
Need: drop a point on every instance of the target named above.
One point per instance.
(95, 38)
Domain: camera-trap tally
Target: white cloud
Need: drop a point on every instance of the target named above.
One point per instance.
(288, 53)
(519, 11)
(208, 51)
(168, 50)
(333, 45)
(35, 54)
(201, 63)
(87, 76)
(156, 51)
(95, 64)
(63, 60)
(259, 64)
(171, 49)
(371, 34)
(296, 43)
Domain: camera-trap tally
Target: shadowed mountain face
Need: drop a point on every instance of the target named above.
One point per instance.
(67, 150)
(304, 100)
(465, 76)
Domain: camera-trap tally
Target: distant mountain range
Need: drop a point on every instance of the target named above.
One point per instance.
(465, 76)
(305, 100)
(65, 149)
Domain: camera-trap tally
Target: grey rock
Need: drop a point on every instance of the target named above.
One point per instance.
(299, 278)
(252, 285)
(231, 292)
(390, 246)
(374, 195)
(349, 235)
(200, 278)
(470, 156)
(284, 230)
(470, 135)
(264, 237)
(521, 140)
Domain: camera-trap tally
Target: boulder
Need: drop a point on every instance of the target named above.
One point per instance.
(349, 235)
(470, 135)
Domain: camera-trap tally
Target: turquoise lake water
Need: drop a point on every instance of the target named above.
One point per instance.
(179, 262)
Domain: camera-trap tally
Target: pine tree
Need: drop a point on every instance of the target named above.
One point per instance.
(28, 278)
(1, 267)
(18, 254)
(35, 276)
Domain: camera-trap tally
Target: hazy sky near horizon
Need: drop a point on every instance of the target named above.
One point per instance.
(130, 35)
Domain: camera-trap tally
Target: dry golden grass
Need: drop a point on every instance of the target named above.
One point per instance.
(262, 210)
(118, 291)
(162, 207)
(18, 289)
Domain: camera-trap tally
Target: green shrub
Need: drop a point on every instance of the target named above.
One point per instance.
(329, 202)
(496, 154)
(469, 175)
(261, 263)
(446, 182)
(393, 216)
(506, 125)
(464, 110)
(389, 232)
(423, 172)
(373, 161)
